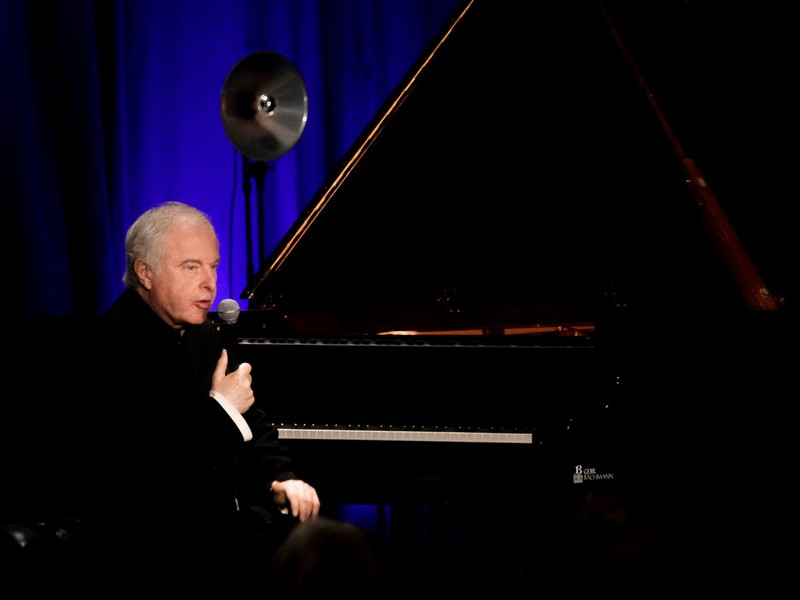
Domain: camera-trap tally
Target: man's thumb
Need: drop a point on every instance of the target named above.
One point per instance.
(222, 365)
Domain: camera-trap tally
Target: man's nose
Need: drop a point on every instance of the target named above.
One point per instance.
(210, 279)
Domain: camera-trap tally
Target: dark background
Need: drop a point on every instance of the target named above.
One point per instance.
(698, 425)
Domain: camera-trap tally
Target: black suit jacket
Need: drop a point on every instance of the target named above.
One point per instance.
(167, 470)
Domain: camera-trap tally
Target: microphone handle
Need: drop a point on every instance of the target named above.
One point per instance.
(230, 341)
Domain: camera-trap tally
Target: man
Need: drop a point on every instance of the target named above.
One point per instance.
(188, 482)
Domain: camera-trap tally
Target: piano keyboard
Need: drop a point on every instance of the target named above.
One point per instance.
(402, 435)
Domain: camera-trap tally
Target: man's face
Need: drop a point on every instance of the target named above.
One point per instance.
(183, 288)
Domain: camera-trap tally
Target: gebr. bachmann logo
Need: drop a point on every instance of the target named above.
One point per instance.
(583, 474)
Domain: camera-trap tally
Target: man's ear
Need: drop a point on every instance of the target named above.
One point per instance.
(144, 273)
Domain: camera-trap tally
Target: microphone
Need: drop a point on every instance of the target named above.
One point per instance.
(228, 312)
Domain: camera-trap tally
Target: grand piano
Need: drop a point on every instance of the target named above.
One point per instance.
(519, 286)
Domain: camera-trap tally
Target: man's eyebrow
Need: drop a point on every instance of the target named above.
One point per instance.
(195, 261)
(198, 261)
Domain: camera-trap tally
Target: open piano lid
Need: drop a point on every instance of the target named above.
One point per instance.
(516, 181)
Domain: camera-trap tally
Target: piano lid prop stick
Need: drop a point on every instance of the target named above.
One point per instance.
(723, 235)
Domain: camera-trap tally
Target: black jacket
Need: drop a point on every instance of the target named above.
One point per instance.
(164, 460)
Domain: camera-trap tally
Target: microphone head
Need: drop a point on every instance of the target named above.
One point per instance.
(228, 310)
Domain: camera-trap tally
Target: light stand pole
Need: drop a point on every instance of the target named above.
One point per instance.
(254, 171)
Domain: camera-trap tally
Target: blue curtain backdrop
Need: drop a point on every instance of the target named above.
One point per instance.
(113, 106)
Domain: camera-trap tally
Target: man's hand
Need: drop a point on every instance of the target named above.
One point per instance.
(300, 498)
(235, 387)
